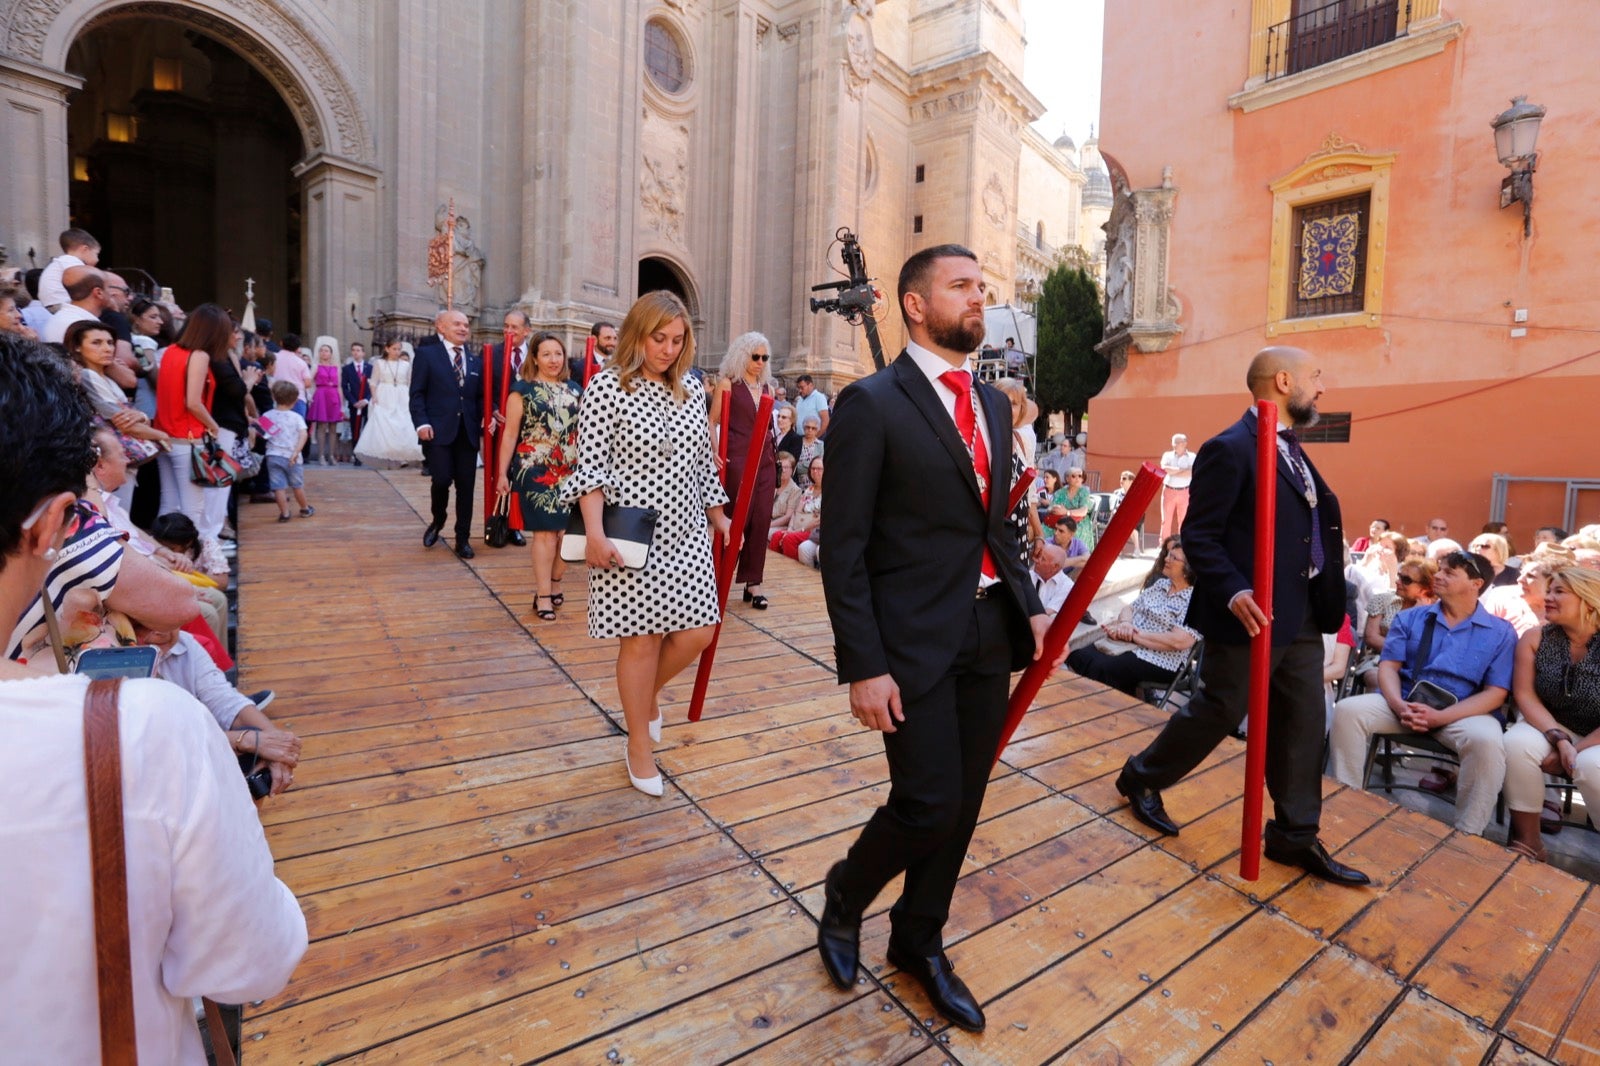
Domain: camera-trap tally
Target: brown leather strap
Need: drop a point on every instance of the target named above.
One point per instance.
(221, 1050)
(102, 763)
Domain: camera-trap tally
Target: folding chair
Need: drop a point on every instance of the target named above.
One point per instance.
(1185, 683)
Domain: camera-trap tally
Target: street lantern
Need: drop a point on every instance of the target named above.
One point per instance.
(1516, 135)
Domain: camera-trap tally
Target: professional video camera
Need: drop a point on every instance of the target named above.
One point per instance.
(856, 295)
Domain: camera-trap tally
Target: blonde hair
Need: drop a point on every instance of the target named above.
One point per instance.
(1497, 544)
(1585, 584)
(649, 313)
(737, 360)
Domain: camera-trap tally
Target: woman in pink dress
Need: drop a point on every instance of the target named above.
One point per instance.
(327, 407)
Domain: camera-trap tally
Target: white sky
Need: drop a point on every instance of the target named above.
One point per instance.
(1062, 64)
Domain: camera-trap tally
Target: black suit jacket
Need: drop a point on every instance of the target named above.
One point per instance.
(1219, 541)
(903, 530)
(438, 400)
(355, 389)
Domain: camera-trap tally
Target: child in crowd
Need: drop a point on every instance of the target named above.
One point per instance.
(286, 436)
(176, 532)
(78, 248)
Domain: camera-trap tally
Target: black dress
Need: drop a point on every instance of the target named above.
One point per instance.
(741, 422)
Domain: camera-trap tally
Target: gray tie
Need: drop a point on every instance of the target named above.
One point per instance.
(459, 364)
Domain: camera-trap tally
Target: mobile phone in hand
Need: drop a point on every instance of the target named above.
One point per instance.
(136, 661)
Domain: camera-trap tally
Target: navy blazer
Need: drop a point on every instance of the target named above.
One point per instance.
(1219, 541)
(355, 390)
(438, 400)
(903, 530)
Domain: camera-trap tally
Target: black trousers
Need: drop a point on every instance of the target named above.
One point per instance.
(939, 763)
(1296, 722)
(455, 464)
(1123, 672)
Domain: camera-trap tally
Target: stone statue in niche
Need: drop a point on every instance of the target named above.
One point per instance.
(661, 187)
(466, 262)
(1120, 235)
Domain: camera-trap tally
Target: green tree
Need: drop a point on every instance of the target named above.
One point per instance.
(1070, 323)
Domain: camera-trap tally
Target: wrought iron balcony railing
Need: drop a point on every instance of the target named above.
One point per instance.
(1333, 31)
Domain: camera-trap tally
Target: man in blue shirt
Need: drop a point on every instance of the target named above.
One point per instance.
(1446, 670)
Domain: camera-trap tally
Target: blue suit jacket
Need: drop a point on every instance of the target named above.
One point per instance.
(353, 389)
(438, 400)
(1219, 541)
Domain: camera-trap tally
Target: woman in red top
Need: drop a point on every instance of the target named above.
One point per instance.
(182, 411)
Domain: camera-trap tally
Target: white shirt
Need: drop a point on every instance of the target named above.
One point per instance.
(55, 330)
(1173, 461)
(206, 916)
(1052, 593)
(52, 293)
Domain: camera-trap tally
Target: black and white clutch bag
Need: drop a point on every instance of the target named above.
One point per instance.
(631, 529)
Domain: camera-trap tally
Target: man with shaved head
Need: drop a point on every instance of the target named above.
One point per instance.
(1307, 601)
(447, 409)
(86, 291)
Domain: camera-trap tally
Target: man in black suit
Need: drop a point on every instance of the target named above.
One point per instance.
(1307, 601)
(447, 409)
(355, 382)
(931, 611)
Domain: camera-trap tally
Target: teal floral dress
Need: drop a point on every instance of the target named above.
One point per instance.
(547, 451)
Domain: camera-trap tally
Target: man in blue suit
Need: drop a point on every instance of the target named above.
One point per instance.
(1307, 601)
(447, 409)
(355, 382)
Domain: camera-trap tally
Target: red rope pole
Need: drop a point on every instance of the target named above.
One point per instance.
(588, 361)
(1134, 505)
(729, 559)
(722, 438)
(1255, 753)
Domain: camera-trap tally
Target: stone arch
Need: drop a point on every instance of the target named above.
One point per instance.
(674, 277)
(277, 37)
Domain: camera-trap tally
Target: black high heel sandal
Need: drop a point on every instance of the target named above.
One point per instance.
(747, 596)
(548, 616)
(557, 598)
(758, 602)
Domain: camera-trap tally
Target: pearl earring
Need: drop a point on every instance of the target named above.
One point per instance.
(51, 554)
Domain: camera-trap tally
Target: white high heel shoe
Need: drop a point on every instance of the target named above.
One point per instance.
(655, 727)
(650, 786)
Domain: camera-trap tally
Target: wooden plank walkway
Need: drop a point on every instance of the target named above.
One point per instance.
(481, 884)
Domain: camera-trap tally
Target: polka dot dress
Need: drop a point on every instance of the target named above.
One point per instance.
(645, 450)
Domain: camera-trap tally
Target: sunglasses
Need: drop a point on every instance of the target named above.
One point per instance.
(1404, 580)
(757, 358)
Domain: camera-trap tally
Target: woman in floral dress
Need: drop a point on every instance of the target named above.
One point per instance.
(543, 405)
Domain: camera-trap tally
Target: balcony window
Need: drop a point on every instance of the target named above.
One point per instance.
(1317, 32)
(1329, 273)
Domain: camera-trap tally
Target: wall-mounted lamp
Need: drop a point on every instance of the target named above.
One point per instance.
(1516, 134)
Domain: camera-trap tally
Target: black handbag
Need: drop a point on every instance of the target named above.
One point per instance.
(631, 529)
(497, 529)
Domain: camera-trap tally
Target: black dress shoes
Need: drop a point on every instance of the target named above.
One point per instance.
(948, 993)
(464, 549)
(838, 937)
(516, 538)
(1145, 805)
(430, 536)
(1316, 861)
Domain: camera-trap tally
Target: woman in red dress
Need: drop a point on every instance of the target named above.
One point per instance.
(744, 375)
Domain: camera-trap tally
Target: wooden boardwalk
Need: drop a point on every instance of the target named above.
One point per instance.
(481, 884)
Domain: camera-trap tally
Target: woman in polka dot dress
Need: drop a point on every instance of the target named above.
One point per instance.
(644, 441)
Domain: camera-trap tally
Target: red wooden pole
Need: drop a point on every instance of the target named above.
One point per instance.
(722, 438)
(1020, 489)
(1134, 505)
(1255, 745)
(588, 360)
(489, 456)
(728, 561)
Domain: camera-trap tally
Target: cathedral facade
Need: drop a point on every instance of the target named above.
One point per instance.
(588, 151)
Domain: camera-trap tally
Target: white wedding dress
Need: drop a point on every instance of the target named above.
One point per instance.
(389, 436)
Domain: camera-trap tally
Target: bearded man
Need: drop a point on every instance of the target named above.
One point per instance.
(931, 611)
(1307, 601)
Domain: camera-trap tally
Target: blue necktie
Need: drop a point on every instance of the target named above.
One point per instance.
(1302, 474)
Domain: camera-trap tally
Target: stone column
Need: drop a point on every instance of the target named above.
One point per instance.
(339, 207)
(34, 178)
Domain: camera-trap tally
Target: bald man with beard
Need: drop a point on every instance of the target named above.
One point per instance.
(1307, 601)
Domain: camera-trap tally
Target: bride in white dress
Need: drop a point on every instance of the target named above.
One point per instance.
(389, 436)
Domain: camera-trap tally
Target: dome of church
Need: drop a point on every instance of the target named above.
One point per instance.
(1097, 193)
(1065, 144)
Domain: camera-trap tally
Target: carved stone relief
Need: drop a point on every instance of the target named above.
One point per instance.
(994, 201)
(27, 24)
(466, 261)
(663, 180)
(860, 55)
(1141, 309)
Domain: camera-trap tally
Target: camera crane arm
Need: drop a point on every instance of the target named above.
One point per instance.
(856, 296)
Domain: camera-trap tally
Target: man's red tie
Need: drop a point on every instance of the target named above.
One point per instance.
(960, 383)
